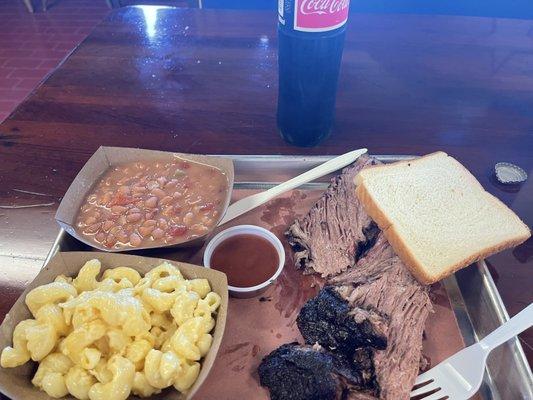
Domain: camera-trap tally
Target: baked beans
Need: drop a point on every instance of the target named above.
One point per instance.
(141, 203)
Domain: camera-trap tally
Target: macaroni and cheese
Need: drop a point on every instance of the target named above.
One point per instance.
(124, 334)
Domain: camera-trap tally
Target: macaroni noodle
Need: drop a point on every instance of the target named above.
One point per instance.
(124, 334)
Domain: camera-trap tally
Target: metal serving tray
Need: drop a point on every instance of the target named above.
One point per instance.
(475, 301)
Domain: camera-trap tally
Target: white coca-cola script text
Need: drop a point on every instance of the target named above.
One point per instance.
(323, 6)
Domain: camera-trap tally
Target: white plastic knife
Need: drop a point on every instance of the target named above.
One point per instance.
(255, 200)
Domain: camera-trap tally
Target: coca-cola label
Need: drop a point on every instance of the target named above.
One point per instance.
(320, 15)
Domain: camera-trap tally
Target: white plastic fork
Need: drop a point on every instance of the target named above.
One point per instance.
(459, 377)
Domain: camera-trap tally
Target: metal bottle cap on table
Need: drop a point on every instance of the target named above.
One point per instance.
(508, 173)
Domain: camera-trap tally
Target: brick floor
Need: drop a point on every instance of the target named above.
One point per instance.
(32, 45)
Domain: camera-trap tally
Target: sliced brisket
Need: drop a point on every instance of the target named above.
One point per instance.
(386, 302)
(327, 239)
(381, 281)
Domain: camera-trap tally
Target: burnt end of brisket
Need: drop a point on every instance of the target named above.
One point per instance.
(329, 320)
(364, 359)
(302, 372)
(357, 372)
(294, 372)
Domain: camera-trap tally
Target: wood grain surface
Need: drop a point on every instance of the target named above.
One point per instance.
(205, 81)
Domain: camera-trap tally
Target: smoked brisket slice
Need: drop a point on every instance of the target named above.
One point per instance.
(370, 323)
(382, 282)
(338, 236)
(336, 230)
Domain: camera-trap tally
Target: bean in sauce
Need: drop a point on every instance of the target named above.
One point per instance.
(153, 202)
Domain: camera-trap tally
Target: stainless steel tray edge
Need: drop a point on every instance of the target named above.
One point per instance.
(478, 312)
(503, 316)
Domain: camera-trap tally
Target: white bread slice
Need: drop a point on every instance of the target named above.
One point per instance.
(436, 215)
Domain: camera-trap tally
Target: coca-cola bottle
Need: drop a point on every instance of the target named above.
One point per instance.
(311, 39)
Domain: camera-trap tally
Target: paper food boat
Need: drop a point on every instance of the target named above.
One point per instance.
(16, 382)
(106, 157)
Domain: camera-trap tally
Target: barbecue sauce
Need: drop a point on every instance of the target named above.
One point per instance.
(247, 260)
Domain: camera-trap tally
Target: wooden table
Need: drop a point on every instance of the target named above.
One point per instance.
(205, 81)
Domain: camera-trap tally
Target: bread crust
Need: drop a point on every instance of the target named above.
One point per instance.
(426, 277)
(400, 246)
(360, 176)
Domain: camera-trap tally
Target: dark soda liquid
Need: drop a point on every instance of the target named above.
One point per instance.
(308, 73)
